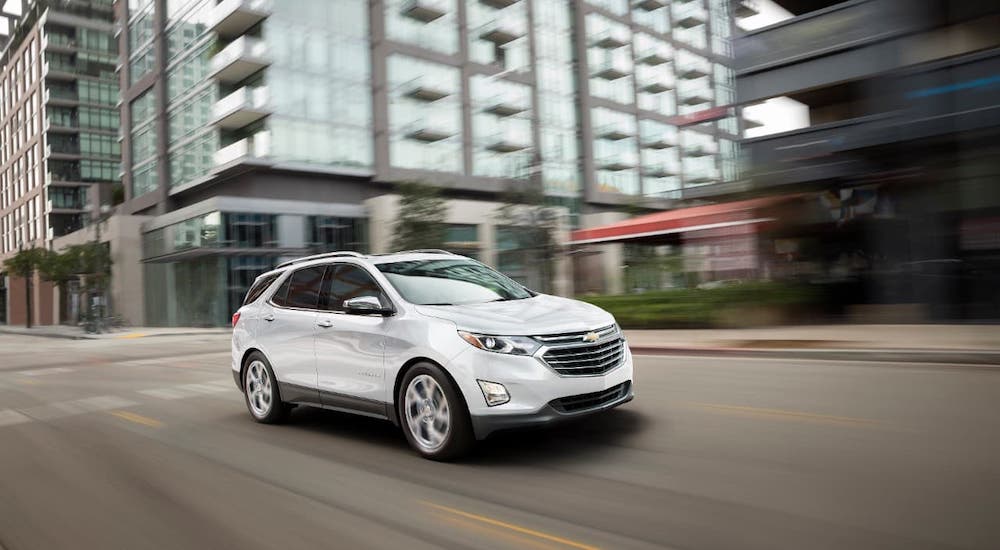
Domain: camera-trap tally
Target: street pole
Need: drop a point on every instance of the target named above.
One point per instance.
(27, 289)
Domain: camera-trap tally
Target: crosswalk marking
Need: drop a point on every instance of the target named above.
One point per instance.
(77, 407)
(9, 418)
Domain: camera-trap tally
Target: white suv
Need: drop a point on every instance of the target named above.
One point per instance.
(439, 344)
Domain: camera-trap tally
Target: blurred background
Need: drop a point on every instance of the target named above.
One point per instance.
(698, 163)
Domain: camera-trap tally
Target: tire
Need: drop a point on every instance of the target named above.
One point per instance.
(426, 397)
(260, 391)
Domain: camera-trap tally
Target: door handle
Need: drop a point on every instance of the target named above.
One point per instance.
(325, 323)
(269, 317)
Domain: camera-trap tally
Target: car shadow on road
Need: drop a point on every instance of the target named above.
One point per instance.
(594, 437)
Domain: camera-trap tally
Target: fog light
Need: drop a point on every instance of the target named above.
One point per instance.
(495, 394)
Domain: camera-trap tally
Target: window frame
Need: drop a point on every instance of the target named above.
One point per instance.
(389, 305)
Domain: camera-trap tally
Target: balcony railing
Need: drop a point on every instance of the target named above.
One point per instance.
(612, 37)
(660, 169)
(745, 8)
(498, 4)
(654, 54)
(425, 88)
(612, 68)
(231, 18)
(503, 30)
(613, 131)
(254, 148)
(428, 131)
(655, 82)
(650, 5)
(505, 105)
(425, 10)
(700, 149)
(242, 107)
(508, 140)
(617, 162)
(240, 59)
(690, 14)
(659, 141)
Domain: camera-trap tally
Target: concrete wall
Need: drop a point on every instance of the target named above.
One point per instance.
(600, 268)
(124, 235)
(383, 211)
(43, 306)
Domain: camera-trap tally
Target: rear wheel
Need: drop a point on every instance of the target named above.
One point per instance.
(260, 389)
(433, 414)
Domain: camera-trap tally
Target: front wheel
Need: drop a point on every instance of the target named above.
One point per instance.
(434, 417)
(260, 389)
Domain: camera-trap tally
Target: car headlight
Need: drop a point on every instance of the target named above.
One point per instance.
(511, 345)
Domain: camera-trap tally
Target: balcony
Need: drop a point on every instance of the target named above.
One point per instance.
(240, 108)
(253, 149)
(427, 131)
(617, 163)
(696, 150)
(698, 97)
(613, 131)
(240, 59)
(425, 89)
(57, 71)
(660, 170)
(58, 42)
(660, 141)
(502, 30)
(690, 14)
(692, 71)
(656, 83)
(654, 55)
(63, 151)
(63, 125)
(424, 11)
(612, 37)
(649, 5)
(505, 105)
(745, 8)
(702, 178)
(613, 68)
(65, 207)
(57, 96)
(508, 140)
(750, 122)
(232, 18)
(498, 4)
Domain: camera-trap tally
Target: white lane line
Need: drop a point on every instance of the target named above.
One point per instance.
(44, 372)
(183, 391)
(9, 418)
(164, 393)
(77, 407)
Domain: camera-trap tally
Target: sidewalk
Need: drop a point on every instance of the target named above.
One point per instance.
(975, 344)
(77, 333)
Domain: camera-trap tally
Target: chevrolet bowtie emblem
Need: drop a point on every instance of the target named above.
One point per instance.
(591, 337)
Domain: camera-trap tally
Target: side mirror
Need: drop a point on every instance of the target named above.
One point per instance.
(366, 305)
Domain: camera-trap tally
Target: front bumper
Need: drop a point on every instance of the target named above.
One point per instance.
(537, 392)
(484, 425)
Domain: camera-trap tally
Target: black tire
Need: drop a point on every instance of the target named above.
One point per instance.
(460, 438)
(277, 410)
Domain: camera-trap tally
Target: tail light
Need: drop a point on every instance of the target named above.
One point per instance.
(236, 318)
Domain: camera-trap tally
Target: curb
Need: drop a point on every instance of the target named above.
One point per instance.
(962, 357)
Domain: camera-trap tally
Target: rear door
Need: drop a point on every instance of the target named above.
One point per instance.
(286, 333)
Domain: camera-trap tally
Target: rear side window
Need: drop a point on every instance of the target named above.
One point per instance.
(259, 287)
(304, 287)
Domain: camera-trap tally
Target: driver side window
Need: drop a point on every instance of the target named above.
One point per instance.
(346, 281)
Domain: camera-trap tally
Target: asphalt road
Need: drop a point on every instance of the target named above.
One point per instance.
(146, 443)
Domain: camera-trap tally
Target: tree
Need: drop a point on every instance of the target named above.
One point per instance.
(530, 226)
(421, 219)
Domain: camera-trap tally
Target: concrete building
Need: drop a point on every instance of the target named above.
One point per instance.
(59, 154)
(254, 130)
(899, 152)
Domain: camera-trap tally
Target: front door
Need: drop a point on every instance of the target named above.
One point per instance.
(350, 349)
(286, 331)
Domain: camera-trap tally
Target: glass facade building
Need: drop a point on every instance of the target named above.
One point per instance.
(319, 102)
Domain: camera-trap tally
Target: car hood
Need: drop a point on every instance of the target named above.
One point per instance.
(541, 314)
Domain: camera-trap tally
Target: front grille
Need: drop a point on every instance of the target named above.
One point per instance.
(585, 359)
(587, 401)
(573, 337)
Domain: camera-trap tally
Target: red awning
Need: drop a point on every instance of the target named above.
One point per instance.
(696, 218)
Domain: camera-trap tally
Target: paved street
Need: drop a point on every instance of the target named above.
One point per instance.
(146, 443)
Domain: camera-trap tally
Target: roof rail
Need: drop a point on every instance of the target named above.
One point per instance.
(427, 251)
(345, 253)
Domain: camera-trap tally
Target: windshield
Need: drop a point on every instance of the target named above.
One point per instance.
(450, 282)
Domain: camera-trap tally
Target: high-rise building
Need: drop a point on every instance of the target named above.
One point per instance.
(253, 130)
(59, 150)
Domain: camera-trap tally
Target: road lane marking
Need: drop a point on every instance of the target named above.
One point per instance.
(137, 418)
(10, 417)
(510, 526)
(183, 391)
(76, 407)
(44, 372)
(517, 540)
(781, 413)
(131, 335)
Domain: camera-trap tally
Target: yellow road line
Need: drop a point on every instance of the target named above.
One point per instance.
(137, 418)
(780, 413)
(130, 335)
(511, 526)
(483, 530)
